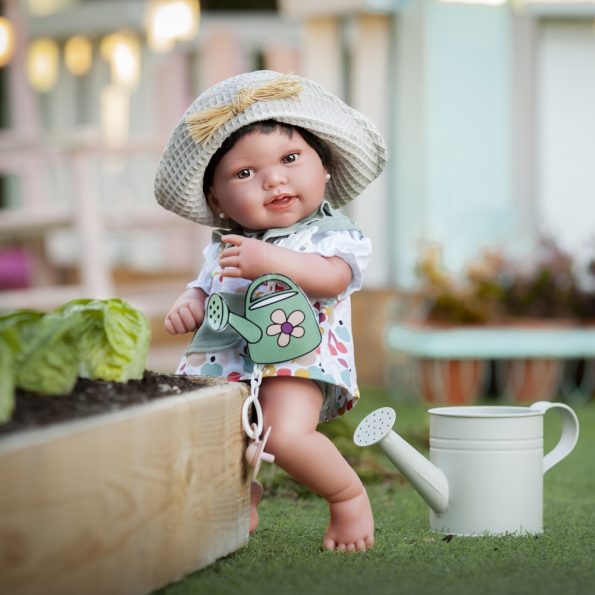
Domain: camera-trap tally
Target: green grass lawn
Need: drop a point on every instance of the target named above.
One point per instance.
(284, 555)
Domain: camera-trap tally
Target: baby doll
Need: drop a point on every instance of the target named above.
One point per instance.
(265, 157)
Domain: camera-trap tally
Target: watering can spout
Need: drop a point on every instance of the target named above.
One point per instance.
(244, 327)
(219, 316)
(429, 481)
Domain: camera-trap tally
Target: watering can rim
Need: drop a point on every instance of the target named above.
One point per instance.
(485, 411)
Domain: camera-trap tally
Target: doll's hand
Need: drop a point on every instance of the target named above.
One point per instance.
(244, 257)
(187, 313)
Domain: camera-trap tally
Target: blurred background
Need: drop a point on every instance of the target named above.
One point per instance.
(488, 108)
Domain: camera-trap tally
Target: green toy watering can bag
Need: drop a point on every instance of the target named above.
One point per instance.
(279, 323)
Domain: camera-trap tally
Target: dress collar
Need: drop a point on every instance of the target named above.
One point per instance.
(323, 211)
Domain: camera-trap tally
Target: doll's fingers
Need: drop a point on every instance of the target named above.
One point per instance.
(179, 324)
(187, 318)
(232, 238)
(231, 251)
(229, 261)
(197, 310)
(169, 327)
(226, 257)
(231, 272)
(176, 323)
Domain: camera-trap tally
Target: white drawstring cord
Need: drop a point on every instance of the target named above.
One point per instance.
(253, 430)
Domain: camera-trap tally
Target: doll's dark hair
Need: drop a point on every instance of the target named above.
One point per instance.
(266, 127)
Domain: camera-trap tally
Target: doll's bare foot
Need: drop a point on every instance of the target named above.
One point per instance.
(352, 525)
(255, 496)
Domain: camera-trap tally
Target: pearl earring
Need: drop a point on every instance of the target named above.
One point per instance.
(328, 177)
(221, 215)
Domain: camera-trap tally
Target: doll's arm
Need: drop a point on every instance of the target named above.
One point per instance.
(187, 312)
(318, 276)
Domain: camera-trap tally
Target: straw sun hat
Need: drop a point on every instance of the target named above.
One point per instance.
(359, 152)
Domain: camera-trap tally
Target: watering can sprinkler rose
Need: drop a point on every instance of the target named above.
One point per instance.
(486, 467)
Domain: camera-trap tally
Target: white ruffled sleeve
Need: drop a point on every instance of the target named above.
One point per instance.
(204, 280)
(353, 247)
(350, 245)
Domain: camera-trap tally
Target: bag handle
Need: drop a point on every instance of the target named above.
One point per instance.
(570, 432)
(268, 277)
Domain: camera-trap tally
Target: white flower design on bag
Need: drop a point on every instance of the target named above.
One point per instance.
(286, 327)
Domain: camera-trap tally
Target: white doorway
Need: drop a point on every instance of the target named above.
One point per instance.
(565, 128)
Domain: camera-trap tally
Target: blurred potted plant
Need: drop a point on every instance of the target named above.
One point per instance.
(547, 293)
(585, 297)
(445, 301)
(547, 290)
(473, 298)
(494, 290)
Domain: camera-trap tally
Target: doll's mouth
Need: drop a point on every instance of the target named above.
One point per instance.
(279, 203)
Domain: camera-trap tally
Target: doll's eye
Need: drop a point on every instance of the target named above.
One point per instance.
(244, 173)
(290, 158)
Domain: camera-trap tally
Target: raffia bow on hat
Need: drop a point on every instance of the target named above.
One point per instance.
(202, 125)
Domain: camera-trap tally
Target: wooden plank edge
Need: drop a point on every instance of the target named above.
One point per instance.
(39, 435)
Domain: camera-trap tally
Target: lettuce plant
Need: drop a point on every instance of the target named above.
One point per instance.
(45, 353)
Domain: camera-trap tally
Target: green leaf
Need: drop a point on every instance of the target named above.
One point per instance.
(50, 363)
(16, 329)
(98, 339)
(8, 348)
(23, 323)
(114, 339)
(129, 334)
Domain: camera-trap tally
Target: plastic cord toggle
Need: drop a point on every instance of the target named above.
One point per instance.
(255, 451)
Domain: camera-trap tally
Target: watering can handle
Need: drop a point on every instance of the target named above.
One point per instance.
(268, 277)
(570, 431)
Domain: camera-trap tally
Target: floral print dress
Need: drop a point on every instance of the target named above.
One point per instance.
(332, 363)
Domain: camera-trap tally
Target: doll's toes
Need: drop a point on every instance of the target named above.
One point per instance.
(341, 547)
(361, 545)
(351, 547)
(329, 544)
(369, 541)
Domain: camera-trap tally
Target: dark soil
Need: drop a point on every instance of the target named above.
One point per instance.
(91, 397)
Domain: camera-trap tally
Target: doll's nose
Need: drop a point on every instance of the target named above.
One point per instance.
(272, 179)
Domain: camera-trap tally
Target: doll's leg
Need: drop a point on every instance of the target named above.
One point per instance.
(291, 406)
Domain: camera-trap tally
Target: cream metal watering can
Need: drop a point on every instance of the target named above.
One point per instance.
(279, 323)
(486, 467)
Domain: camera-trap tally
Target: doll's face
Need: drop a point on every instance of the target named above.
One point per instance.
(268, 180)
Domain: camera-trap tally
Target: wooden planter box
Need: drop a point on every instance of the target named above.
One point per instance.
(125, 502)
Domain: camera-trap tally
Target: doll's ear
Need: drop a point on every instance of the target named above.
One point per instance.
(213, 203)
